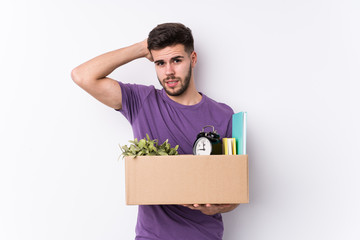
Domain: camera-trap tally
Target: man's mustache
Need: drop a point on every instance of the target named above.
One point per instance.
(171, 78)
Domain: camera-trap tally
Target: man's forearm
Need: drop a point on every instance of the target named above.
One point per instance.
(92, 75)
(229, 208)
(101, 66)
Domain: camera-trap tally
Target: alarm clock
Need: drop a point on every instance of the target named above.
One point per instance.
(206, 142)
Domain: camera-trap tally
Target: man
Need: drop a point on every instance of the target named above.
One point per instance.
(178, 113)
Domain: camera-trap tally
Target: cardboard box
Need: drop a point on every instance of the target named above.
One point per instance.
(186, 179)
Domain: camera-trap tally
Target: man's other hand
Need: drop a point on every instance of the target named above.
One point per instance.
(211, 209)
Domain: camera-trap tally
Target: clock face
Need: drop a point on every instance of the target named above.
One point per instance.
(202, 146)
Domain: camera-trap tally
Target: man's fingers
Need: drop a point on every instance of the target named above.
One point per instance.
(192, 206)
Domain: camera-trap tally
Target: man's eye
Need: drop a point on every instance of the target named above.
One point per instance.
(177, 60)
(159, 63)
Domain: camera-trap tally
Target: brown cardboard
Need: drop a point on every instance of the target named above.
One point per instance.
(186, 179)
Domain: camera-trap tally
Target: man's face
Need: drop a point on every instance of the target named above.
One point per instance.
(173, 67)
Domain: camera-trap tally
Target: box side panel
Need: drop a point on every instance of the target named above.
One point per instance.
(187, 179)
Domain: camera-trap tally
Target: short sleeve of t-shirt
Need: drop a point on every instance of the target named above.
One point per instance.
(133, 97)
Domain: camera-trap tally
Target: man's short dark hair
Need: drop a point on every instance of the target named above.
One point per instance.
(169, 34)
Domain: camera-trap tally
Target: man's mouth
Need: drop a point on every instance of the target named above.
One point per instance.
(171, 82)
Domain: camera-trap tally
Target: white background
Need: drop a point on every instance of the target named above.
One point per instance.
(292, 65)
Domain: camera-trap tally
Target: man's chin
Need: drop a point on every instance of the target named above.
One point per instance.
(173, 93)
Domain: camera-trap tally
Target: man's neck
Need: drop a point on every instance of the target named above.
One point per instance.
(187, 98)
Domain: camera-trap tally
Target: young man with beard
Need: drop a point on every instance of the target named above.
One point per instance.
(177, 113)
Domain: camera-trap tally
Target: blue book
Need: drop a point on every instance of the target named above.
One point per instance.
(239, 131)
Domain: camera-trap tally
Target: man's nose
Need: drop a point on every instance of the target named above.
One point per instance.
(169, 69)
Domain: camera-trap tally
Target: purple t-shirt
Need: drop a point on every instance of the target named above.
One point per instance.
(151, 111)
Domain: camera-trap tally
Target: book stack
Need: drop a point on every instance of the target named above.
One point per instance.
(229, 146)
(236, 145)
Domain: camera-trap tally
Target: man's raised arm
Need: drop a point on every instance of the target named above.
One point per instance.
(92, 75)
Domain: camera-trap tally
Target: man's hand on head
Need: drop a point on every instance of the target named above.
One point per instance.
(145, 47)
(211, 209)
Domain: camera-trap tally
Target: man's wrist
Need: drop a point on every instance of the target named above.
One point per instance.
(143, 50)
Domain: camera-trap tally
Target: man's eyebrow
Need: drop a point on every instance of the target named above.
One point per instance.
(159, 61)
(173, 58)
(177, 57)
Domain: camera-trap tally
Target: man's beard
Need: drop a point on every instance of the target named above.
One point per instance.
(182, 89)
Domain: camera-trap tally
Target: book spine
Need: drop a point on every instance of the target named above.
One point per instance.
(234, 146)
(229, 145)
(245, 132)
(239, 131)
(225, 146)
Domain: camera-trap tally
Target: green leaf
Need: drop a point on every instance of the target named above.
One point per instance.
(149, 147)
(162, 153)
(142, 143)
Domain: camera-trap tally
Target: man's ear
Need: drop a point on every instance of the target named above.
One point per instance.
(193, 58)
